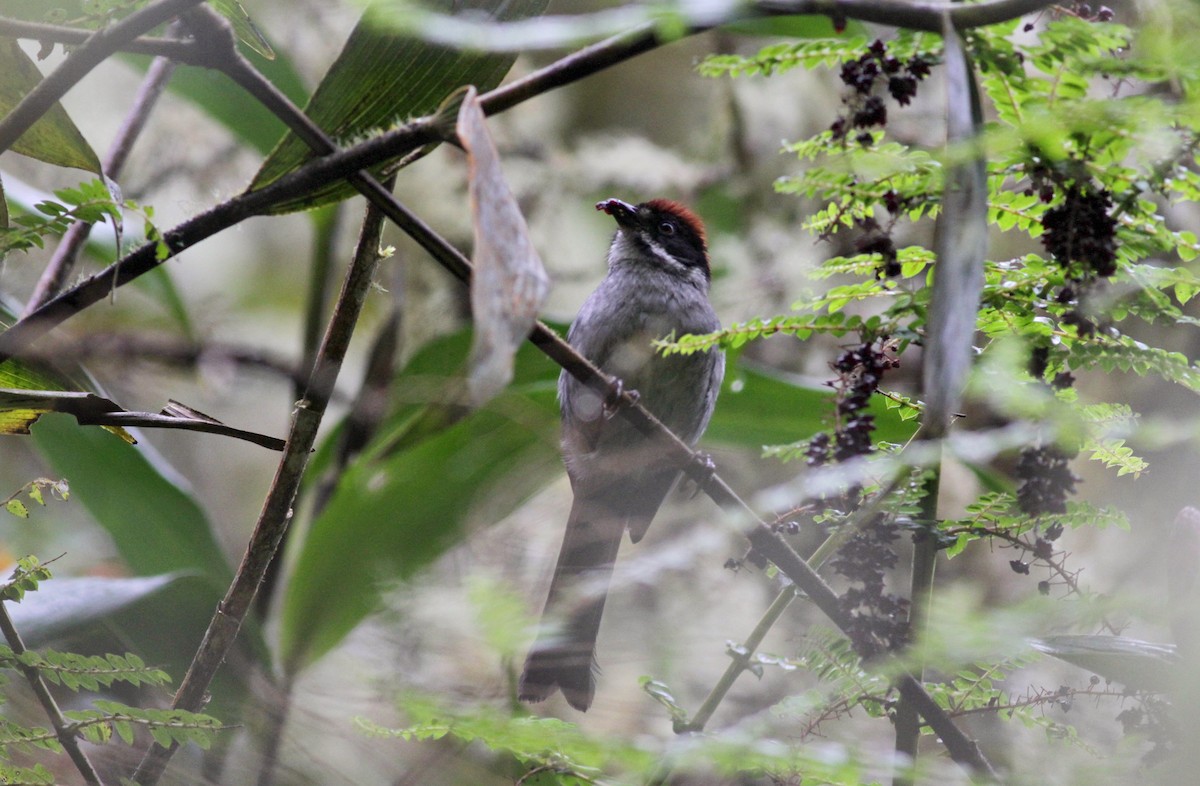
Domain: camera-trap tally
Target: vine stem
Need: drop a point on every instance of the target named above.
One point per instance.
(924, 560)
(62, 728)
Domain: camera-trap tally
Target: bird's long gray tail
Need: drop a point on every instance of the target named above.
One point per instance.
(564, 655)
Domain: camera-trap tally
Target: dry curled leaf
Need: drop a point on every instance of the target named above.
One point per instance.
(509, 284)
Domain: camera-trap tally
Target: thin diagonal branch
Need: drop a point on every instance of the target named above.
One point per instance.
(66, 254)
(179, 51)
(80, 62)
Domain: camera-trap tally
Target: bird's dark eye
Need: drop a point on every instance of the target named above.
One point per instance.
(667, 228)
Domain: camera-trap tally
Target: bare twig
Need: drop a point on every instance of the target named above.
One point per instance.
(179, 51)
(67, 253)
(80, 62)
(320, 282)
(62, 728)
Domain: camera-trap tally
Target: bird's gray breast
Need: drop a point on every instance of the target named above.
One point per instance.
(616, 329)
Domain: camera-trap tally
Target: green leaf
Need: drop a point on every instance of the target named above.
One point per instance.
(392, 516)
(757, 408)
(1140, 665)
(243, 27)
(25, 577)
(380, 79)
(155, 524)
(792, 27)
(54, 137)
(69, 604)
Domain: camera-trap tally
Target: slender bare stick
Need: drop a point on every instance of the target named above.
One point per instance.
(80, 62)
(179, 51)
(66, 255)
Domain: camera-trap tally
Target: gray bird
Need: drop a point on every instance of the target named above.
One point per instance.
(657, 285)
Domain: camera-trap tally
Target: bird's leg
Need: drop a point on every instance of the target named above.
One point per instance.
(709, 467)
(616, 397)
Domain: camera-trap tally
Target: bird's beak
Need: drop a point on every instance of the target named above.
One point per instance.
(623, 212)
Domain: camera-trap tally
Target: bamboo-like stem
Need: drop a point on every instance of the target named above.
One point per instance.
(908, 721)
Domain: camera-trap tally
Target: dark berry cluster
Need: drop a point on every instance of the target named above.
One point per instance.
(866, 109)
(878, 240)
(1081, 229)
(1080, 235)
(860, 370)
(874, 613)
(1085, 11)
(1046, 480)
(1155, 720)
(1039, 361)
(1042, 551)
(817, 452)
